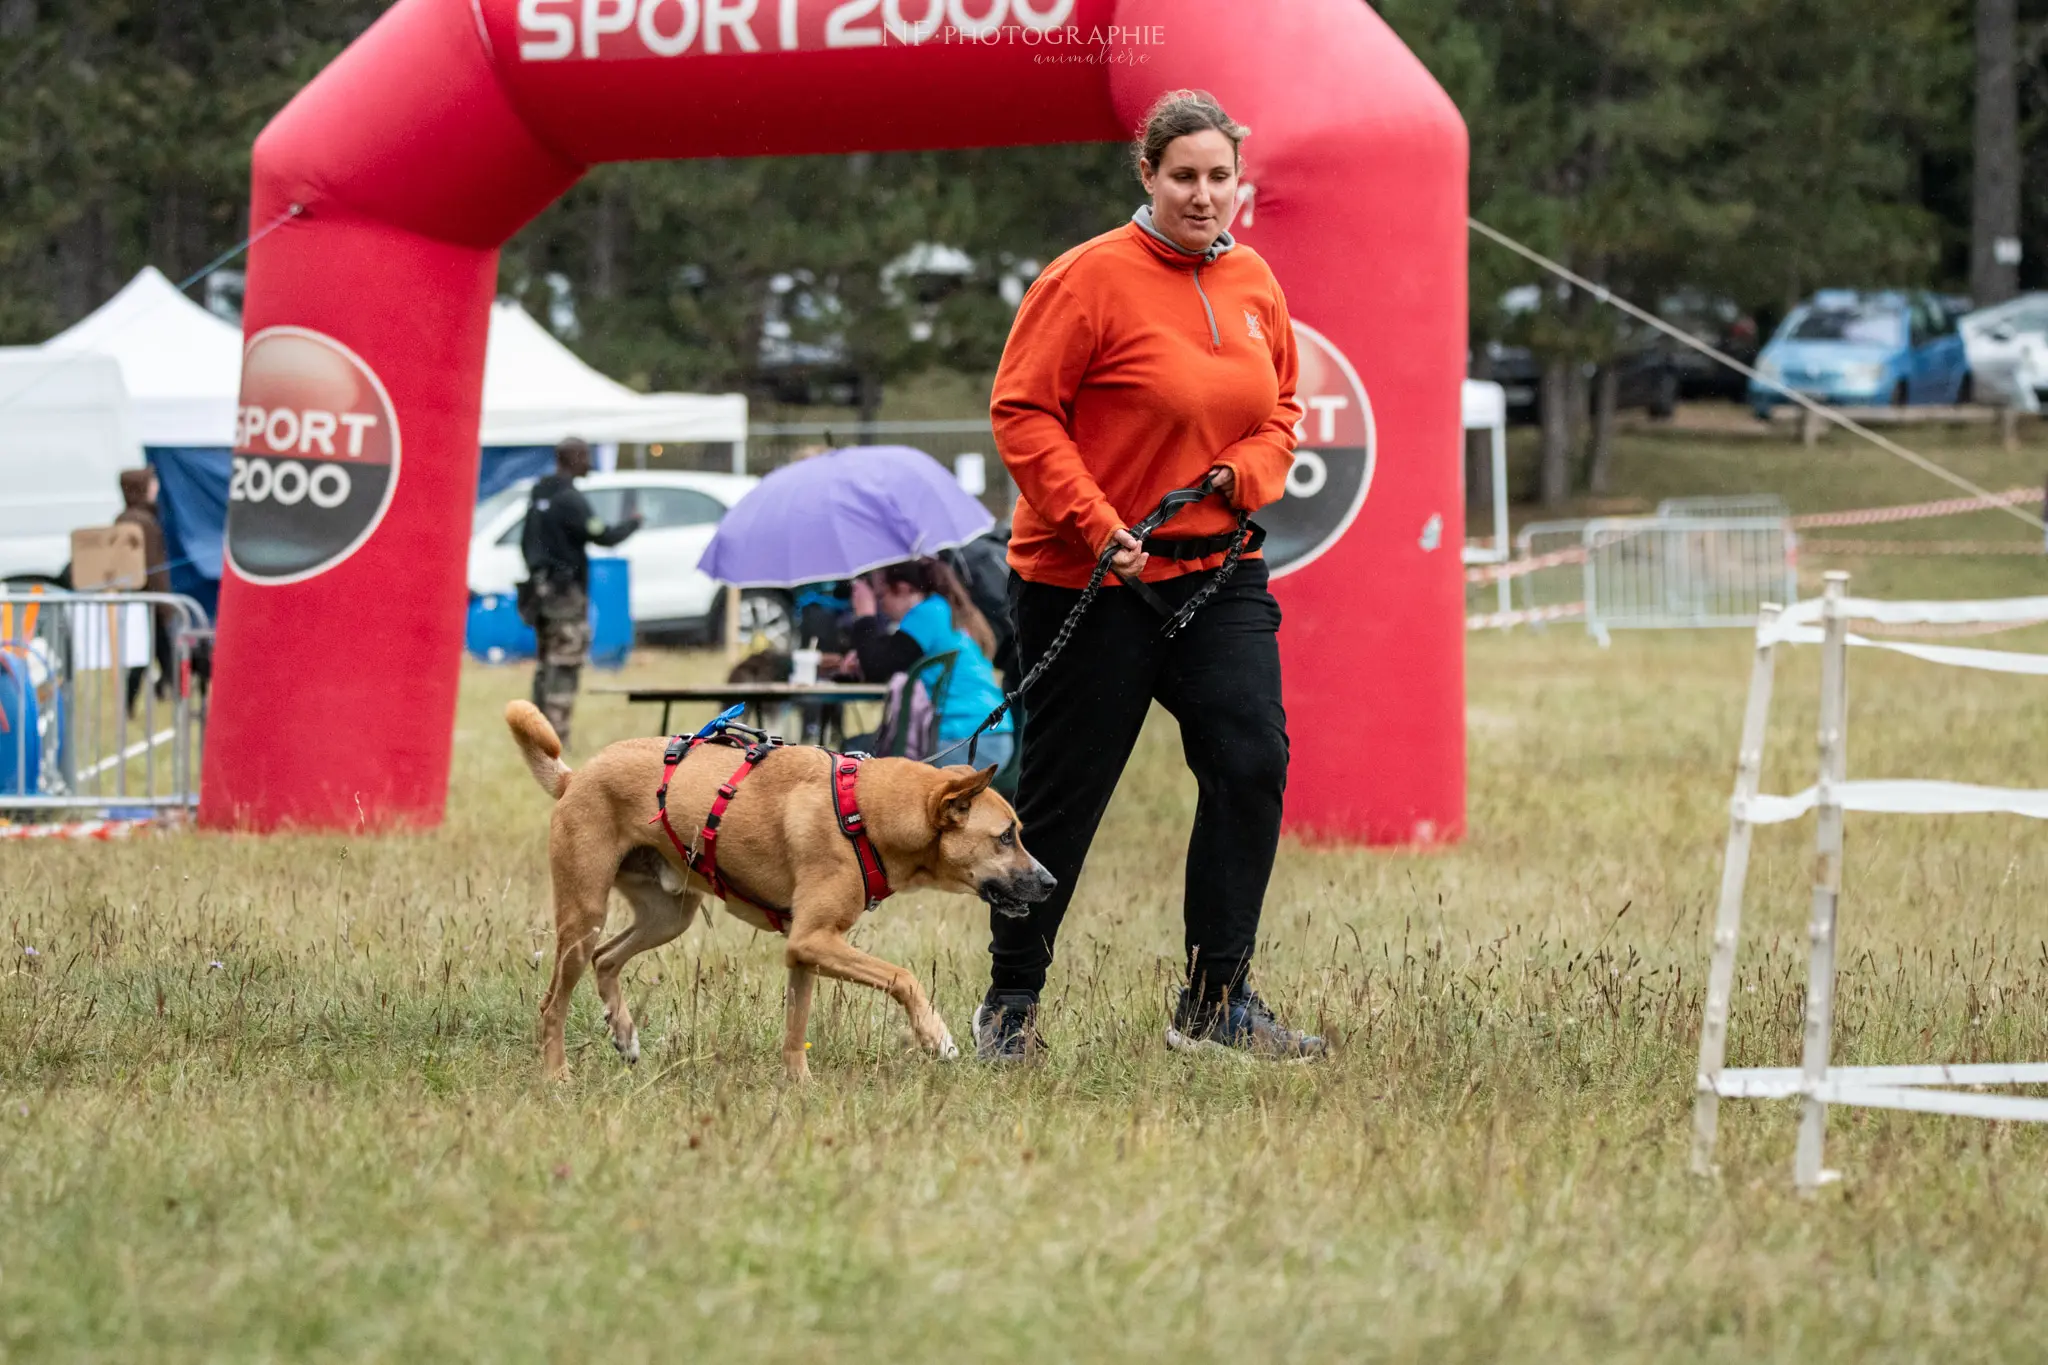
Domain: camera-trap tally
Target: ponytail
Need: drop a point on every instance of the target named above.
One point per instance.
(966, 615)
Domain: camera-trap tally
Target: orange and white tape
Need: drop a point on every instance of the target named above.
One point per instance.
(1528, 616)
(1826, 545)
(83, 829)
(1916, 511)
(1862, 516)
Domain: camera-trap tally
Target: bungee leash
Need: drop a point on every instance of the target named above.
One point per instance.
(1247, 536)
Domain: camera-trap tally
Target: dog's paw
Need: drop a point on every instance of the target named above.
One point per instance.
(946, 1050)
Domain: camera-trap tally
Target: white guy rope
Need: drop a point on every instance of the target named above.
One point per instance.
(71, 357)
(1601, 293)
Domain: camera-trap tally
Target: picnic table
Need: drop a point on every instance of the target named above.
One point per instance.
(820, 708)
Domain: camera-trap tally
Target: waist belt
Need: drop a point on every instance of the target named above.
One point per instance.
(1202, 547)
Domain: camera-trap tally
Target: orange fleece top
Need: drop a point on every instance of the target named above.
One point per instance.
(1132, 368)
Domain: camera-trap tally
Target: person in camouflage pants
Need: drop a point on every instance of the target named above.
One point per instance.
(564, 634)
(556, 597)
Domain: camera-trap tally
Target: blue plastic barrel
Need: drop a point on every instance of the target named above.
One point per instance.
(21, 745)
(611, 611)
(495, 633)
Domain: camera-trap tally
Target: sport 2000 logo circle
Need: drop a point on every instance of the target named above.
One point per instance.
(315, 460)
(1333, 458)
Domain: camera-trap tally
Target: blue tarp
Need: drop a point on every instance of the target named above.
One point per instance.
(504, 466)
(192, 503)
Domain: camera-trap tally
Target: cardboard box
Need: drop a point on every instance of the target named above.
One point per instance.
(108, 559)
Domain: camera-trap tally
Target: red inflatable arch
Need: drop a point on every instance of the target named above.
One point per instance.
(452, 122)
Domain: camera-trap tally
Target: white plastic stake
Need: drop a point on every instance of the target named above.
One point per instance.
(1827, 885)
(1728, 916)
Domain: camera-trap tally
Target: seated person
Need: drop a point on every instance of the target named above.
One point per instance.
(822, 614)
(917, 608)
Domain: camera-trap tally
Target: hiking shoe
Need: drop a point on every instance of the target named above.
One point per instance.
(1242, 1022)
(1006, 1028)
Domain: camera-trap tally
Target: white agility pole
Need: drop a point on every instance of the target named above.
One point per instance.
(1749, 763)
(1827, 883)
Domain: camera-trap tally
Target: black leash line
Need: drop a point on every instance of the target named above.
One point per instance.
(1169, 507)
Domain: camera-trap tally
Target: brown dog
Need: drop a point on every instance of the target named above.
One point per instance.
(779, 840)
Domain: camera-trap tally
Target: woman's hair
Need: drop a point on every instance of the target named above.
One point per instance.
(935, 576)
(1176, 114)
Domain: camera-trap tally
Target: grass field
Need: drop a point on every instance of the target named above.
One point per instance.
(270, 1098)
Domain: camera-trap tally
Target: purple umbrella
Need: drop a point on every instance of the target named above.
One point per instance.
(840, 514)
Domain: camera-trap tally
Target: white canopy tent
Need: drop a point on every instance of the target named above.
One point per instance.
(183, 370)
(536, 391)
(181, 364)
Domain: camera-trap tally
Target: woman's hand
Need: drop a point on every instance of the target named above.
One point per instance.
(1130, 557)
(1223, 479)
(863, 598)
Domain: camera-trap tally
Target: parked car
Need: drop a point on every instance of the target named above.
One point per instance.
(670, 597)
(1857, 347)
(1654, 370)
(1647, 380)
(1720, 323)
(2007, 345)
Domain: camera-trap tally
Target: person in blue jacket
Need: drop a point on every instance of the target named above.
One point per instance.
(906, 611)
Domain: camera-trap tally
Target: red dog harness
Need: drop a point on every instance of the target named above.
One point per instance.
(702, 859)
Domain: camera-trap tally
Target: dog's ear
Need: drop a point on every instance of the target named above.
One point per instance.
(955, 798)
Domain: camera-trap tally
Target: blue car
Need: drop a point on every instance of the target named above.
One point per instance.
(1861, 348)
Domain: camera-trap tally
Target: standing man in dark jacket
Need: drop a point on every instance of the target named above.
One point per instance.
(138, 497)
(559, 528)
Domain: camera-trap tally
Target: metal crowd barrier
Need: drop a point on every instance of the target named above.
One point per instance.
(1553, 551)
(1686, 567)
(68, 741)
(1674, 573)
(1724, 505)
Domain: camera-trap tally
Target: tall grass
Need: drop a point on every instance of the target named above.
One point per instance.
(266, 1098)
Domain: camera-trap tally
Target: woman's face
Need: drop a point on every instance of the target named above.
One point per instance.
(896, 599)
(1194, 188)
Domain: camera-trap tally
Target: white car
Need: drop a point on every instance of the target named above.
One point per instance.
(2007, 344)
(670, 596)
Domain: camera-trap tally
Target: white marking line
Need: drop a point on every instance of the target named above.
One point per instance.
(135, 750)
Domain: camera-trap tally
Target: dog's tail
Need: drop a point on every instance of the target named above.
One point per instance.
(539, 746)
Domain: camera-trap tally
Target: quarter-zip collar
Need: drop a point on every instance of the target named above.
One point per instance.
(1172, 252)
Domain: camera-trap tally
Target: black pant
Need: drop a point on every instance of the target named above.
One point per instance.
(1220, 678)
(165, 683)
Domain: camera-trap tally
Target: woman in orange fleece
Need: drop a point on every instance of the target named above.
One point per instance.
(1142, 361)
